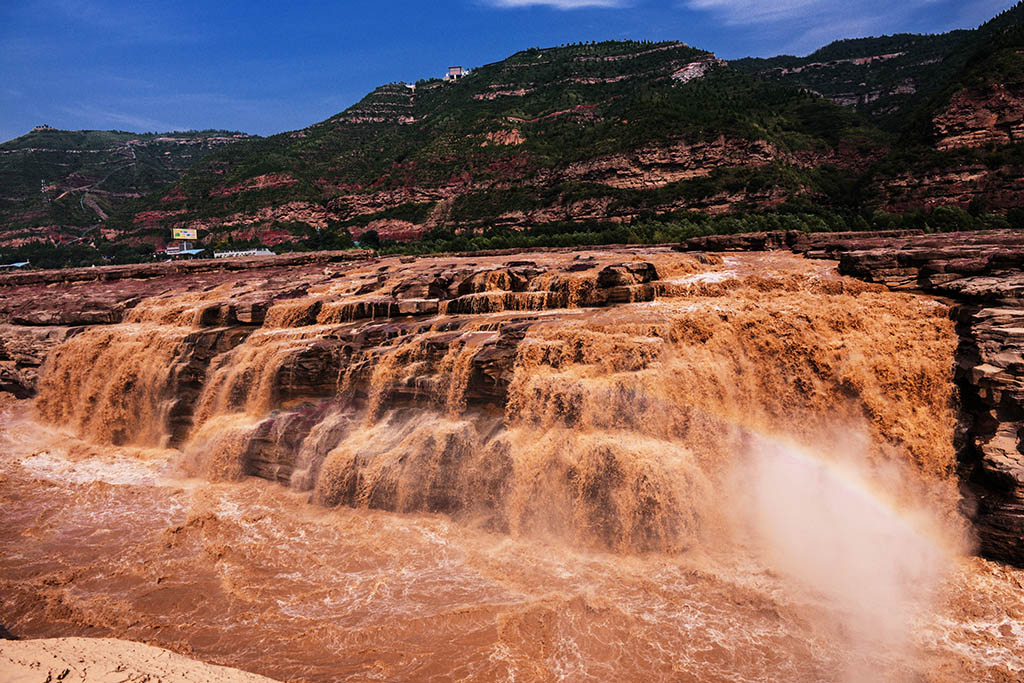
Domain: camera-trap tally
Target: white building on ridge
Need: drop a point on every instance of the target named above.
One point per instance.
(455, 73)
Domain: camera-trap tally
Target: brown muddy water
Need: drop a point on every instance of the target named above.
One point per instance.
(749, 481)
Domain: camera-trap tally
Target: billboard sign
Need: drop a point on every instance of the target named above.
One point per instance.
(184, 234)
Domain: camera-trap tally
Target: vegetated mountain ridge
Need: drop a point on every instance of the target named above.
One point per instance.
(570, 142)
(895, 79)
(57, 184)
(963, 141)
(594, 132)
(879, 76)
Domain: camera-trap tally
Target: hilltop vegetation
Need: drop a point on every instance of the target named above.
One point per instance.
(881, 77)
(519, 136)
(587, 143)
(899, 80)
(62, 182)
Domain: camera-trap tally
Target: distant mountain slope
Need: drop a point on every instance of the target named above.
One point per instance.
(570, 141)
(962, 143)
(891, 78)
(584, 132)
(55, 182)
(878, 76)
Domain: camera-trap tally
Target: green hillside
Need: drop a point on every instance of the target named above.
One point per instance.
(881, 77)
(893, 78)
(515, 136)
(583, 143)
(62, 181)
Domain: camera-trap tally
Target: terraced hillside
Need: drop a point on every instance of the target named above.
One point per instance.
(58, 184)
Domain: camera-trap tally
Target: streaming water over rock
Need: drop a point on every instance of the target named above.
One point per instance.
(616, 464)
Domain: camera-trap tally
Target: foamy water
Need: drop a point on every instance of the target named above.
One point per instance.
(750, 478)
(294, 590)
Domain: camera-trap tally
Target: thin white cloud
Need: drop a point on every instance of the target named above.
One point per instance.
(801, 26)
(758, 11)
(770, 11)
(102, 119)
(137, 22)
(558, 4)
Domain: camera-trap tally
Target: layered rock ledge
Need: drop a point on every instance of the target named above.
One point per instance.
(485, 385)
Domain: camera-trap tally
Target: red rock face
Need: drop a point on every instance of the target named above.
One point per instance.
(504, 137)
(386, 228)
(155, 219)
(44, 233)
(264, 235)
(261, 224)
(1001, 188)
(175, 195)
(646, 168)
(977, 117)
(659, 166)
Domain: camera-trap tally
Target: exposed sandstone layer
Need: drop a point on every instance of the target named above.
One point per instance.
(982, 273)
(976, 117)
(657, 166)
(1000, 187)
(647, 167)
(796, 240)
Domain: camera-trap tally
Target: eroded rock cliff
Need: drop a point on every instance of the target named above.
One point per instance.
(977, 117)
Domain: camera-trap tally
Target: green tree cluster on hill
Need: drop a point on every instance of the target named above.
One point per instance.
(548, 134)
(77, 254)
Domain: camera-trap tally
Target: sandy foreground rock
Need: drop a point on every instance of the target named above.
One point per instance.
(106, 659)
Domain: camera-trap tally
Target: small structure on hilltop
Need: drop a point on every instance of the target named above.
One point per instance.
(455, 73)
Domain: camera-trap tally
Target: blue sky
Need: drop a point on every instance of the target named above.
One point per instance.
(264, 67)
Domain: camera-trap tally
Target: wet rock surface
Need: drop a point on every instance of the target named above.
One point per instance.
(41, 309)
(322, 322)
(413, 384)
(982, 273)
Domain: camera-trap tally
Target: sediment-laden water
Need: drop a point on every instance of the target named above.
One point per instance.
(721, 470)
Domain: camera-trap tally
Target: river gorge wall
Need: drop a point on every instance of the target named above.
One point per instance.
(606, 398)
